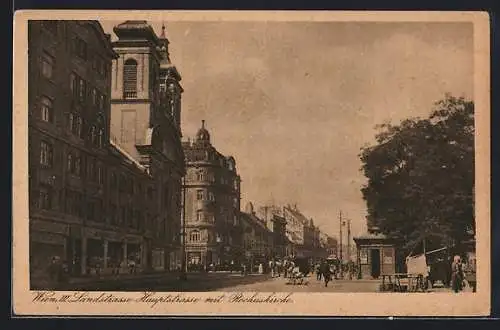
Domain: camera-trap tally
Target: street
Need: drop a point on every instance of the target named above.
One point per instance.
(311, 284)
(221, 281)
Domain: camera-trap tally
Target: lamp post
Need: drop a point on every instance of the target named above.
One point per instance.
(340, 236)
(183, 275)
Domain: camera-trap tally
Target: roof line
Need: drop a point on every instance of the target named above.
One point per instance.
(127, 155)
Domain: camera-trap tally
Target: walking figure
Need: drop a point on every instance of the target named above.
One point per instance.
(327, 274)
(318, 271)
(457, 274)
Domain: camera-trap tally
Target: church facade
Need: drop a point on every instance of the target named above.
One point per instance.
(146, 124)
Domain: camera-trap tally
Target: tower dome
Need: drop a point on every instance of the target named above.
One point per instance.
(203, 134)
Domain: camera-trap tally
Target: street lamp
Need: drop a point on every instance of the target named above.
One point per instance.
(183, 275)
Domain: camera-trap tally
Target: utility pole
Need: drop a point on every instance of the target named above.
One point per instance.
(183, 275)
(349, 239)
(340, 236)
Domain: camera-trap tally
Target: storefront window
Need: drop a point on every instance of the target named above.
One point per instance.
(388, 256)
(95, 254)
(363, 256)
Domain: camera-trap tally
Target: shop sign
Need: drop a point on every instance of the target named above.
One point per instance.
(134, 239)
(51, 227)
(48, 238)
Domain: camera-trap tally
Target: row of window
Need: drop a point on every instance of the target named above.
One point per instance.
(79, 48)
(73, 161)
(202, 216)
(210, 177)
(74, 123)
(83, 93)
(203, 195)
(95, 172)
(196, 236)
(77, 84)
(93, 209)
(206, 155)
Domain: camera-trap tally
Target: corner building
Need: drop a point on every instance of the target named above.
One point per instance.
(86, 200)
(146, 124)
(213, 231)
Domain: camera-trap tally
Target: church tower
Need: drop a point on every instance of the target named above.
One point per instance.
(145, 123)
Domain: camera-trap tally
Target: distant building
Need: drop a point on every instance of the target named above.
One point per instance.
(301, 232)
(145, 122)
(214, 233)
(328, 244)
(258, 240)
(280, 241)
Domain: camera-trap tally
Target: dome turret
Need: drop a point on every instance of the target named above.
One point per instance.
(203, 134)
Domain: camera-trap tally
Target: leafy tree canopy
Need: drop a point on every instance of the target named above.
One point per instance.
(421, 175)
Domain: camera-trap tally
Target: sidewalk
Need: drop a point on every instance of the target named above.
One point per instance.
(122, 277)
(152, 280)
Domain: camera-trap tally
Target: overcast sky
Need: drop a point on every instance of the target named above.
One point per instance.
(294, 102)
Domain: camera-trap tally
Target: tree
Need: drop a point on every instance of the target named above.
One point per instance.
(421, 175)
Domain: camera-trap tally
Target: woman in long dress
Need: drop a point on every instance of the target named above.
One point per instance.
(457, 274)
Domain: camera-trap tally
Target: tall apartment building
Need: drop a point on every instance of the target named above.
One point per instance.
(212, 205)
(85, 195)
(146, 124)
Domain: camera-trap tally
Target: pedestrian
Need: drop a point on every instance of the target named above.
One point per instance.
(54, 271)
(350, 269)
(64, 272)
(131, 266)
(326, 272)
(285, 268)
(457, 274)
(244, 269)
(318, 271)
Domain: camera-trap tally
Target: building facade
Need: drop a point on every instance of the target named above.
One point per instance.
(212, 205)
(258, 240)
(145, 123)
(280, 241)
(81, 187)
(328, 244)
(302, 233)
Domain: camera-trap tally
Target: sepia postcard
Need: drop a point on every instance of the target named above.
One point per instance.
(251, 163)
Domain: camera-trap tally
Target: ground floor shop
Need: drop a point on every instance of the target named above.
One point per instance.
(88, 251)
(199, 257)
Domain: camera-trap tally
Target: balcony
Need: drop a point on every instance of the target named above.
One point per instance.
(129, 95)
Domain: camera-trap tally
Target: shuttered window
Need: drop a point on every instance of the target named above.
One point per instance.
(130, 79)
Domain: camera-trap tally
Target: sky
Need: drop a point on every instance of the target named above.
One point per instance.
(294, 102)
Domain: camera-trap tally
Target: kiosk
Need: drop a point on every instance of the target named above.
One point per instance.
(376, 255)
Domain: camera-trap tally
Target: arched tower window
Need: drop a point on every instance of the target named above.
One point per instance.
(130, 79)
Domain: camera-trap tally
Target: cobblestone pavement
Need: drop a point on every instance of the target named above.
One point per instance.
(229, 282)
(280, 284)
